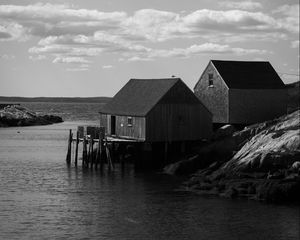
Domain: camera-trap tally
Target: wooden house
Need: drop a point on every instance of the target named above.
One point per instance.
(156, 110)
(240, 92)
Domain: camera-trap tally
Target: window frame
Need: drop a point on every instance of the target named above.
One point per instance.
(210, 79)
(129, 121)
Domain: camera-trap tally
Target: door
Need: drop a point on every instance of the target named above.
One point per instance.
(113, 125)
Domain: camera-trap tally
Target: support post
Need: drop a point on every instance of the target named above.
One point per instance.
(68, 158)
(109, 161)
(84, 152)
(99, 150)
(76, 148)
(91, 152)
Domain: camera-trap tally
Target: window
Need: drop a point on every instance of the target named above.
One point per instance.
(129, 121)
(210, 79)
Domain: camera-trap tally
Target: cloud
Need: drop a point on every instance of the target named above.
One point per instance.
(295, 44)
(69, 35)
(37, 58)
(7, 56)
(107, 66)
(195, 50)
(244, 5)
(289, 17)
(80, 60)
(12, 31)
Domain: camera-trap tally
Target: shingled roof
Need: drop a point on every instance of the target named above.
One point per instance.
(139, 96)
(248, 75)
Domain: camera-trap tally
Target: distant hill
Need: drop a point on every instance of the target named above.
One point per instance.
(56, 99)
(293, 90)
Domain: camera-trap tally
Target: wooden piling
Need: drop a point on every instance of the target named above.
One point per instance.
(68, 158)
(76, 147)
(84, 152)
(109, 160)
(99, 151)
(91, 152)
(100, 147)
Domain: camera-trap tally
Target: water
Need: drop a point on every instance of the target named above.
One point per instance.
(41, 198)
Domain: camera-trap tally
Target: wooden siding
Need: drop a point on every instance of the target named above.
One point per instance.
(215, 97)
(136, 131)
(104, 121)
(178, 122)
(248, 106)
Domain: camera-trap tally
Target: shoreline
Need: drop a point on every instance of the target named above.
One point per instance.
(260, 162)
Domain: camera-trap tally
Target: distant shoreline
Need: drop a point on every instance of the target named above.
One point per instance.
(56, 99)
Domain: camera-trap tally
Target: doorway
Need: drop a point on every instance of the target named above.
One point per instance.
(113, 125)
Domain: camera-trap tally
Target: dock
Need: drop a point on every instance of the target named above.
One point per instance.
(98, 150)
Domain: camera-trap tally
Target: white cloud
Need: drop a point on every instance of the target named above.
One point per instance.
(107, 66)
(289, 17)
(80, 60)
(69, 35)
(77, 69)
(7, 56)
(37, 58)
(295, 44)
(244, 5)
(195, 50)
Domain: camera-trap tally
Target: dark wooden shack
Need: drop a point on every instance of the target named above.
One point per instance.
(241, 92)
(156, 110)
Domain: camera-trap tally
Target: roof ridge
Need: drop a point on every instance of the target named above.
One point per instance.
(151, 79)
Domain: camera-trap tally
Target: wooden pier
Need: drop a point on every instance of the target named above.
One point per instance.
(97, 149)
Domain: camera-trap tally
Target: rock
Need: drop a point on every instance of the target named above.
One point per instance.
(224, 131)
(276, 147)
(260, 162)
(15, 115)
(296, 166)
(185, 166)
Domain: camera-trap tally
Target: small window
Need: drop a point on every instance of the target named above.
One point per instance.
(129, 121)
(210, 79)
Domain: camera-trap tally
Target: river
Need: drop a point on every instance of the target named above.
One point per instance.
(42, 198)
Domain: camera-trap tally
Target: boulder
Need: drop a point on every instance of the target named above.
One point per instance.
(224, 131)
(16, 115)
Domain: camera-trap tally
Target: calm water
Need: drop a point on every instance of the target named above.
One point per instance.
(41, 198)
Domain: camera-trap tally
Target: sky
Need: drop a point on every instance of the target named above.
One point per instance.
(86, 48)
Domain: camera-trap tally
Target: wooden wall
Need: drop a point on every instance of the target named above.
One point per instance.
(179, 116)
(136, 131)
(214, 98)
(248, 106)
(178, 122)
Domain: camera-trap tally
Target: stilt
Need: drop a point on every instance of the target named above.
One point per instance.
(109, 161)
(101, 160)
(68, 158)
(84, 152)
(100, 146)
(76, 148)
(91, 152)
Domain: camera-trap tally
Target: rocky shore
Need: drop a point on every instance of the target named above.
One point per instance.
(261, 162)
(16, 115)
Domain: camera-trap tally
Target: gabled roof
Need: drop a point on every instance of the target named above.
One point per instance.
(139, 96)
(248, 75)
